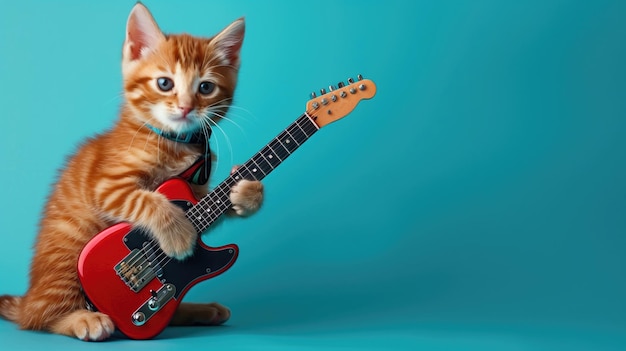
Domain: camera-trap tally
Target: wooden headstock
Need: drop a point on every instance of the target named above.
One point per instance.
(339, 101)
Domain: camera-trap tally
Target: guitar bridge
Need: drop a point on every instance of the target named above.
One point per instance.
(137, 268)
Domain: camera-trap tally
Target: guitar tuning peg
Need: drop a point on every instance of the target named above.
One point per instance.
(359, 77)
(331, 88)
(322, 91)
(340, 85)
(313, 96)
(350, 80)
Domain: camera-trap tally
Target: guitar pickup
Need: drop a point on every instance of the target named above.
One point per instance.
(138, 268)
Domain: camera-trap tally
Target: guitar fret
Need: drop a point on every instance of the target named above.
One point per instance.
(262, 162)
(279, 149)
(256, 169)
(298, 135)
(245, 173)
(212, 206)
(270, 156)
(307, 126)
(292, 137)
(287, 141)
(300, 130)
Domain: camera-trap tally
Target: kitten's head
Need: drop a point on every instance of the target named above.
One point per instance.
(178, 82)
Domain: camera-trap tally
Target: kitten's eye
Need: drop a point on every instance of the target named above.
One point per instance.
(206, 88)
(165, 84)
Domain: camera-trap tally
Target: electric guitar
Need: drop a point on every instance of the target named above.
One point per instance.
(125, 274)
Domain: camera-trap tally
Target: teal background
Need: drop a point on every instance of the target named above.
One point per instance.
(476, 203)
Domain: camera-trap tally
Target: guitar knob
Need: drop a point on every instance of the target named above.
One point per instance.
(139, 318)
(340, 85)
(153, 304)
(322, 91)
(313, 96)
(359, 77)
(350, 80)
(331, 88)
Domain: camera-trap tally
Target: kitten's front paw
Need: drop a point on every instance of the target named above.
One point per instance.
(85, 325)
(178, 237)
(246, 197)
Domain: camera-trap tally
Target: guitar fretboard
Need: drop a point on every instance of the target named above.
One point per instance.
(214, 204)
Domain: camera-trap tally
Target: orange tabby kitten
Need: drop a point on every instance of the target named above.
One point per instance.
(174, 85)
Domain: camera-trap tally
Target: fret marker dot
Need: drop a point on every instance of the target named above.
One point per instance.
(287, 141)
(271, 156)
(237, 177)
(254, 170)
(199, 217)
(208, 210)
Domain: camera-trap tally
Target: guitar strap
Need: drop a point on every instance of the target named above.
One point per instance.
(199, 171)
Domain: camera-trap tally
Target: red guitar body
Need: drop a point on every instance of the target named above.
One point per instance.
(126, 276)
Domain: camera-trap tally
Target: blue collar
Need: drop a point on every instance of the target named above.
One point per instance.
(197, 137)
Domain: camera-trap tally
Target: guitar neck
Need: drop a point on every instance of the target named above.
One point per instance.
(214, 204)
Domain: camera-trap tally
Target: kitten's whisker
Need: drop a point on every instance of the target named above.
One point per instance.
(221, 116)
(242, 109)
(230, 147)
(225, 105)
(220, 102)
(119, 96)
(236, 114)
(137, 131)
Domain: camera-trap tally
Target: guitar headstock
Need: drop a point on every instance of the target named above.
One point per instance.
(339, 101)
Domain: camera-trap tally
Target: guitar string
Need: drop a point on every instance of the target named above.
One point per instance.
(307, 133)
(200, 216)
(306, 130)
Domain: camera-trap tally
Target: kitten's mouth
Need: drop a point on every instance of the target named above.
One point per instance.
(184, 123)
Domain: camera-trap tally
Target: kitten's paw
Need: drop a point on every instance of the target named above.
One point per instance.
(85, 325)
(246, 197)
(178, 236)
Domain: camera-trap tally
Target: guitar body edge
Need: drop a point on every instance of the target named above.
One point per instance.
(144, 313)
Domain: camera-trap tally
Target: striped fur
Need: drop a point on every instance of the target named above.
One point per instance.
(112, 177)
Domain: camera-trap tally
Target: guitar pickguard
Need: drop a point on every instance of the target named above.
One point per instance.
(167, 270)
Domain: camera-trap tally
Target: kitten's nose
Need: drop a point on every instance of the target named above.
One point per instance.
(185, 110)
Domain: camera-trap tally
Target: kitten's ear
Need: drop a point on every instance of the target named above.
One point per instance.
(142, 33)
(227, 43)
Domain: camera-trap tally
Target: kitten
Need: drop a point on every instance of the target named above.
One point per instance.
(173, 84)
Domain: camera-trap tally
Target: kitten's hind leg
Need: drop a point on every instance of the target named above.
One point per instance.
(84, 325)
(200, 314)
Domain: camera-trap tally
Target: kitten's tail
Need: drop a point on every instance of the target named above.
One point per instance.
(9, 307)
